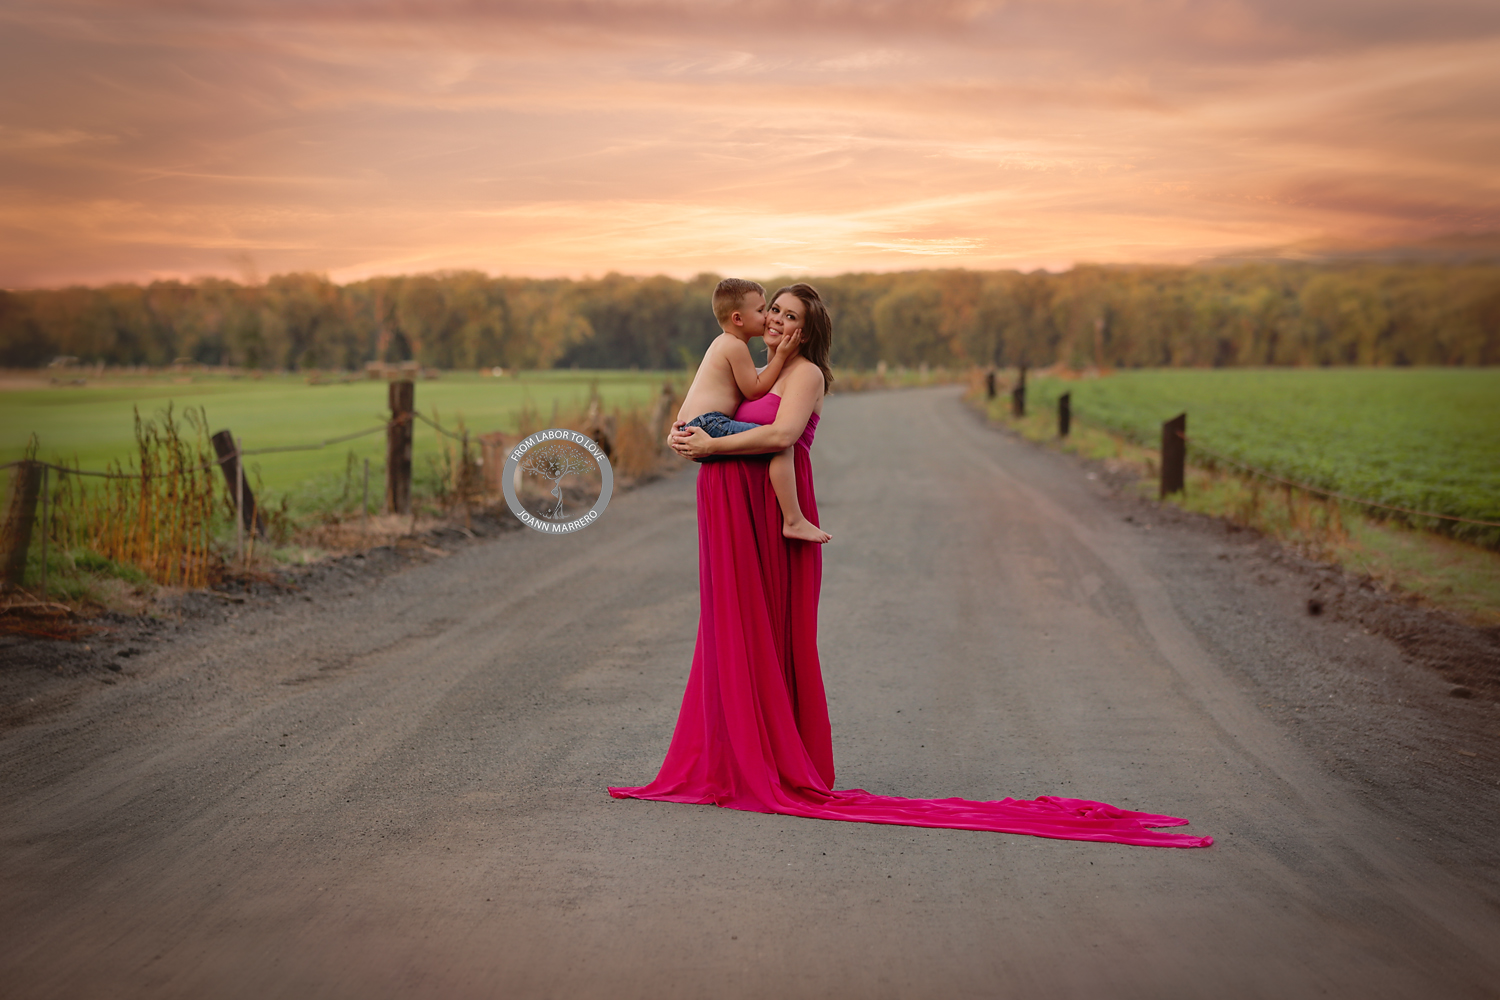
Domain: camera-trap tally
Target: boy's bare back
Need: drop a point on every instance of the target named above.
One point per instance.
(714, 386)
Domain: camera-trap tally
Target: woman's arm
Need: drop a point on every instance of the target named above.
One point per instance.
(804, 387)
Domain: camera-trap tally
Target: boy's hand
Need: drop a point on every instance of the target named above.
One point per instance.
(789, 344)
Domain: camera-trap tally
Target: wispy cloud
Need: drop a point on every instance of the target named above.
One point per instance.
(925, 248)
(50, 138)
(869, 59)
(142, 137)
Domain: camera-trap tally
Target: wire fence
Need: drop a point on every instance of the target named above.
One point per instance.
(1068, 415)
(438, 427)
(249, 452)
(1332, 494)
(404, 418)
(157, 513)
(150, 479)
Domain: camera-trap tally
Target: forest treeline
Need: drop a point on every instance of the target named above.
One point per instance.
(1120, 317)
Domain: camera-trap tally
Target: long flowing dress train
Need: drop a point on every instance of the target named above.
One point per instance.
(753, 730)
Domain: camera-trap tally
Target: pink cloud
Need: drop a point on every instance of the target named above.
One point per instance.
(141, 138)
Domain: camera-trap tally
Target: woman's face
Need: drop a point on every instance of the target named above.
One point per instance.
(784, 317)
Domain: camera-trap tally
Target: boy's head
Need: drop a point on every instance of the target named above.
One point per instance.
(730, 297)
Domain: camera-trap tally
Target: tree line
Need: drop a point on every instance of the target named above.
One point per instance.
(1104, 316)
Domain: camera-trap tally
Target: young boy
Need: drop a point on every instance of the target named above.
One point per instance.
(727, 375)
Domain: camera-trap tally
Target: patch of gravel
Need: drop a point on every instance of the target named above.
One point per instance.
(1466, 656)
(1400, 701)
(40, 676)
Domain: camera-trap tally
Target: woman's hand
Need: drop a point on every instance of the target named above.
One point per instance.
(690, 442)
(800, 393)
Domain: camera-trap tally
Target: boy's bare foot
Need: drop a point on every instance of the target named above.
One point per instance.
(806, 531)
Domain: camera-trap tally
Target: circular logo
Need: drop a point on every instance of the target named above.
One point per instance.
(549, 457)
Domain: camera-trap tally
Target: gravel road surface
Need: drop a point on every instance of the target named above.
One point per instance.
(398, 788)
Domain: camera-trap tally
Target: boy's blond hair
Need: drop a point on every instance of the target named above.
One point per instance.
(730, 294)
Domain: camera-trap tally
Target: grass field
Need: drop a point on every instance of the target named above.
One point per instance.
(1428, 439)
(95, 423)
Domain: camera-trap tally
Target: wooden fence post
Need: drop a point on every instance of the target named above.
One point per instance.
(228, 453)
(468, 474)
(239, 504)
(1173, 454)
(398, 435)
(1064, 414)
(25, 484)
(46, 526)
(1018, 396)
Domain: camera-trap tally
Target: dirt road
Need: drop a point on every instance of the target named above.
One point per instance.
(399, 790)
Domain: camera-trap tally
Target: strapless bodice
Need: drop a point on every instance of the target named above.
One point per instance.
(763, 411)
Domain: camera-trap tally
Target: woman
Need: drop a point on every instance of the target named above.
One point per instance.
(753, 731)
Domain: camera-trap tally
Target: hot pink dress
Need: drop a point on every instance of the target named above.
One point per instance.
(753, 730)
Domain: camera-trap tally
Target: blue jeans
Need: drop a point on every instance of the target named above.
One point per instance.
(717, 425)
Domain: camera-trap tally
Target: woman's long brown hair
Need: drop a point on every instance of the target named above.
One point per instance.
(817, 327)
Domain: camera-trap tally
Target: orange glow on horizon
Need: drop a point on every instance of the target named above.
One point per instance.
(178, 138)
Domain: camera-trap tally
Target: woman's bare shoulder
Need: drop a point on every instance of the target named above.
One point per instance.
(802, 377)
(810, 374)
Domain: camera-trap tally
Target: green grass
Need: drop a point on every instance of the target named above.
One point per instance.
(94, 423)
(1442, 572)
(1427, 439)
(82, 575)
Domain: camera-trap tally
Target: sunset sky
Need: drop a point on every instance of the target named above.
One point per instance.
(178, 138)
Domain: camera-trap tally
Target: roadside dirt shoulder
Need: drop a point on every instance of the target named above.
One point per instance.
(41, 675)
(1402, 702)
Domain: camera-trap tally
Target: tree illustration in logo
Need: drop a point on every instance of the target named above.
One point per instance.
(554, 461)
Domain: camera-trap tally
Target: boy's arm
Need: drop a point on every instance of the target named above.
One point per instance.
(753, 384)
(802, 393)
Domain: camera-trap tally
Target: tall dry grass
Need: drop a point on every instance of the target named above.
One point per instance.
(457, 479)
(633, 438)
(157, 511)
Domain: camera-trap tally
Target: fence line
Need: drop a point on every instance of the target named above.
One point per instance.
(250, 451)
(321, 444)
(435, 425)
(218, 461)
(398, 429)
(1333, 493)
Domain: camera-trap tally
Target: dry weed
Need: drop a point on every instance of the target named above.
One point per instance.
(156, 512)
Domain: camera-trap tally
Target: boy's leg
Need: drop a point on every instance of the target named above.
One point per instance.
(717, 425)
(784, 482)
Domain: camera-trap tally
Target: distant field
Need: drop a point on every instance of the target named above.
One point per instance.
(94, 423)
(1428, 438)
